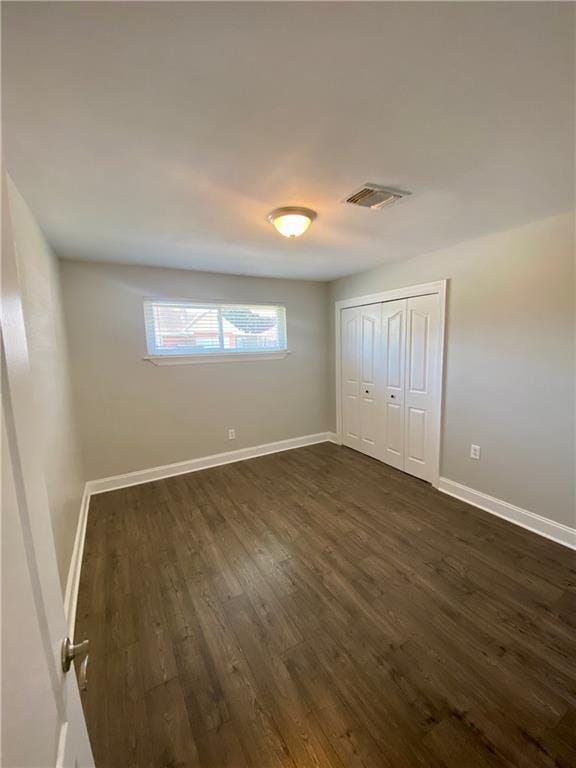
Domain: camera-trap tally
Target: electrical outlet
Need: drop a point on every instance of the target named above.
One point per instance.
(231, 434)
(475, 452)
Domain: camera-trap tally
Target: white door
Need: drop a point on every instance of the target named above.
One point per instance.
(42, 719)
(411, 342)
(350, 378)
(394, 355)
(421, 391)
(391, 387)
(361, 378)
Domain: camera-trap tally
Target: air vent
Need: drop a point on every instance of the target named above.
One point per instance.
(374, 196)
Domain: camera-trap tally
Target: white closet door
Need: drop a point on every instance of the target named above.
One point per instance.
(370, 379)
(361, 378)
(421, 385)
(393, 351)
(390, 382)
(350, 335)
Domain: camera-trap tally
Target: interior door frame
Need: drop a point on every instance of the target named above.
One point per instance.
(439, 287)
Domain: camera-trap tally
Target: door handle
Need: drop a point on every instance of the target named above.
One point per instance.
(70, 651)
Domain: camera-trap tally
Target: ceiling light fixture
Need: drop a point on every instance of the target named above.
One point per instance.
(291, 221)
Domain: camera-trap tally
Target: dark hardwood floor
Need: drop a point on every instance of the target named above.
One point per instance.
(318, 608)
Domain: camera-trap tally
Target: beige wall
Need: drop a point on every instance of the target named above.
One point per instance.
(134, 415)
(44, 321)
(509, 383)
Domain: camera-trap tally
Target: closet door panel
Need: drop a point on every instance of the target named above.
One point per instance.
(371, 383)
(350, 334)
(421, 397)
(416, 434)
(393, 315)
(362, 389)
(394, 435)
(418, 351)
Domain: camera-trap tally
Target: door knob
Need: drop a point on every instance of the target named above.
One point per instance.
(70, 652)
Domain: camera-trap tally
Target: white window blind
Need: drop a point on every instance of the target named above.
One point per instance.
(175, 327)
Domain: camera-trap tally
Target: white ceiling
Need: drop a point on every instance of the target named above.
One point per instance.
(163, 133)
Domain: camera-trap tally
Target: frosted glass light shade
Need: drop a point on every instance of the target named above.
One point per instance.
(291, 221)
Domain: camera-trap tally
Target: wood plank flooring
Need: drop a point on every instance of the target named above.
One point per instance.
(318, 608)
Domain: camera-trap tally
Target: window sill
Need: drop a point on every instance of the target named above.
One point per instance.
(226, 358)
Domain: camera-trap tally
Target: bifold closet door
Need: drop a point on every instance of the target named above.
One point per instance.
(390, 389)
(422, 388)
(393, 315)
(410, 332)
(361, 378)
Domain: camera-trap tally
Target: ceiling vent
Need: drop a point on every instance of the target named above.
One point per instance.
(374, 196)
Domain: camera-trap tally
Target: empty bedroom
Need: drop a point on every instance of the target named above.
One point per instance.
(288, 384)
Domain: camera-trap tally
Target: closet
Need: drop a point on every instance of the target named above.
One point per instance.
(390, 367)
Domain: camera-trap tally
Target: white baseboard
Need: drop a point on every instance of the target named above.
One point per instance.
(562, 534)
(194, 465)
(73, 580)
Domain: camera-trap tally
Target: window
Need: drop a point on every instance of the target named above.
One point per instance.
(190, 328)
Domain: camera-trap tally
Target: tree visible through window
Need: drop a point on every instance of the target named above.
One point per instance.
(193, 328)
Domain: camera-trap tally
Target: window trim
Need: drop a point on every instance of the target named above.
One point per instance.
(219, 356)
(226, 357)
